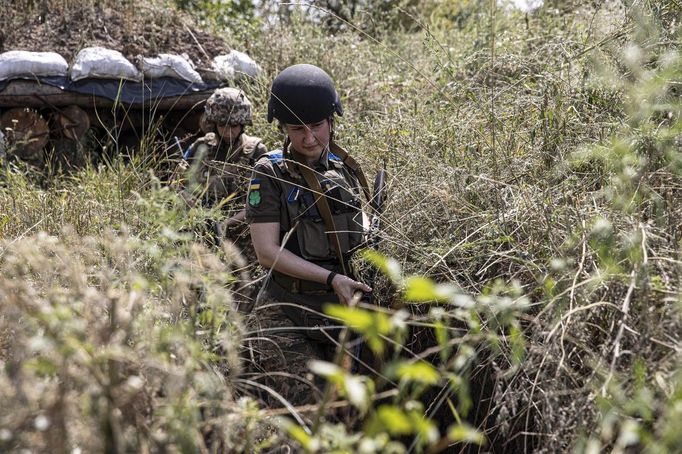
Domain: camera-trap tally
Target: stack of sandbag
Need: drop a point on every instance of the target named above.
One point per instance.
(98, 62)
(102, 63)
(95, 63)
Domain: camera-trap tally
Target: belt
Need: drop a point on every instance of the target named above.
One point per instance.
(295, 285)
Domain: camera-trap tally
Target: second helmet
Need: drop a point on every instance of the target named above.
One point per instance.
(228, 106)
(303, 94)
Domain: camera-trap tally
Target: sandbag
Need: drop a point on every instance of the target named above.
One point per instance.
(19, 63)
(169, 65)
(244, 65)
(222, 66)
(98, 62)
(235, 65)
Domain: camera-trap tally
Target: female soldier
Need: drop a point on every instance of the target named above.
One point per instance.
(304, 210)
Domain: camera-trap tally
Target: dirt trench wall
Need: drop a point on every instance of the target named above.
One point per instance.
(133, 28)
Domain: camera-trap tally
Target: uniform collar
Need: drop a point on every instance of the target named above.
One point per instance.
(292, 161)
(323, 160)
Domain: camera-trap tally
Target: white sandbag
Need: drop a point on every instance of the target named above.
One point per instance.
(169, 65)
(235, 64)
(525, 6)
(244, 65)
(222, 66)
(21, 63)
(104, 64)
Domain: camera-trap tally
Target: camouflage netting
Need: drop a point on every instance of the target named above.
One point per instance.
(130, 27)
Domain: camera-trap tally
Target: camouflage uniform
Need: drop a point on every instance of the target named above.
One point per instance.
(217, 170)
(216, 173)
(288, 321)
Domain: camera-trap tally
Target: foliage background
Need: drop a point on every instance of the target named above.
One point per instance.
(534, 164)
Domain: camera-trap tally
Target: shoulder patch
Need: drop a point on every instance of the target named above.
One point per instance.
(254, 197)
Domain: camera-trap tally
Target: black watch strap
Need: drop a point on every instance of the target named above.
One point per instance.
(330, 278)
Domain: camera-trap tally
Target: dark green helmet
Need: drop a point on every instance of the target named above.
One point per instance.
(303, 94)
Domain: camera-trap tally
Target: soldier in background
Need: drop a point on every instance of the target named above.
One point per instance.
(215, 170)
(217, 166)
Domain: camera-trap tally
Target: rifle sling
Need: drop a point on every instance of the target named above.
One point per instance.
(326, 213)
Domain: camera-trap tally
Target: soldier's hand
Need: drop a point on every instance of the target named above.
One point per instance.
(346, 288)
(181, 168)
(225, 225)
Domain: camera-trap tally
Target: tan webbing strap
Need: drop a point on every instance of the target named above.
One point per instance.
(354, 166)
(325, 212)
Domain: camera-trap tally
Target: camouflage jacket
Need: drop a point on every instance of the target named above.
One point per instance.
(217, 173)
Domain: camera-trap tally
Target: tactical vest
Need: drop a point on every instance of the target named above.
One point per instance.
(221, 170)
(310, 239)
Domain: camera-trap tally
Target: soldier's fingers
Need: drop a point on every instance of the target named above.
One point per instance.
(363, 287)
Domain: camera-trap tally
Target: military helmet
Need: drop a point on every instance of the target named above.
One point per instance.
(303, 94)
(228, 106)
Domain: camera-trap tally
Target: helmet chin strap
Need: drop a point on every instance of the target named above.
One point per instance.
(289, 161)
(285, 147)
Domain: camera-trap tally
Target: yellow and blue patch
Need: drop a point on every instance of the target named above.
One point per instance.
(254, 193)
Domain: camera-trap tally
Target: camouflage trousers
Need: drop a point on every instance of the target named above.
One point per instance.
(285, 332)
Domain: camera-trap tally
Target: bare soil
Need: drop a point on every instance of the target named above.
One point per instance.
(132, 28)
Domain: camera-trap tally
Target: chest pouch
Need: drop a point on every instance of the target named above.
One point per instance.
(341, 200)
(307, 207)
(312, 233)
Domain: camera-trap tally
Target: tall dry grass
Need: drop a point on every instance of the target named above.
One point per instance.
(534, 166)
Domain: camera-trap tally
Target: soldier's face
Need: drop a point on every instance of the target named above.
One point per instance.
(311, 139)
(229, 132)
